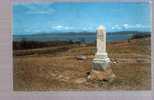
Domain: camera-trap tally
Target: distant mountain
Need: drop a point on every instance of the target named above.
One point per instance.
(88, 33)
(80, 36)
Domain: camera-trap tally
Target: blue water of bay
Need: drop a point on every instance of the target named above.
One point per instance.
(67, 37)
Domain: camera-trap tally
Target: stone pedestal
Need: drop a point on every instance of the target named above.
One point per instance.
(101, 62)
(101, 69)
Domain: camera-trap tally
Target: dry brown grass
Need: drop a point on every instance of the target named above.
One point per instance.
(60, 70)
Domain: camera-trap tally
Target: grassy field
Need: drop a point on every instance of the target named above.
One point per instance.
(56, 68)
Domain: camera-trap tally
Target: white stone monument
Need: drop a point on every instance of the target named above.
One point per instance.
(101, 59)
(101, 69)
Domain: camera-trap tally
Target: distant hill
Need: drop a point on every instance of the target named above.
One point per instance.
(83, 33)
(80, 36)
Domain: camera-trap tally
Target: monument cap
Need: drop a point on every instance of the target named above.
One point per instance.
(101, 27)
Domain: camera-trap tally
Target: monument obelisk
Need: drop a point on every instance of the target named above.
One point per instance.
(101, 59)
(101, 63)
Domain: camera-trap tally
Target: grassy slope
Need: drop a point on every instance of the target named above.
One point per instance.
(60, 70)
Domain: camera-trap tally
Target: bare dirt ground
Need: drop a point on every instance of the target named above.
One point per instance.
(56, 68)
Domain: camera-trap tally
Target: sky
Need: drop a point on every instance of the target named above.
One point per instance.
(33, 18)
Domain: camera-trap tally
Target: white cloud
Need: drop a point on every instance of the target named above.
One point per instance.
(142, 26)
(127, 26)
(40, 9)
(68, 28)
(117, 27)
(61, 27)
(113, 28)
(138, 26)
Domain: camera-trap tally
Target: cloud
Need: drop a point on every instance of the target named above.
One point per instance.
(36, 8)
(117, 27)
(142, 26)
(128, 26)
(61, 27)
(71, 28)
(139, 26)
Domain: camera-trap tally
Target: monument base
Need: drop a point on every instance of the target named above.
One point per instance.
(106, 75)
(101, 69)
(101, 61)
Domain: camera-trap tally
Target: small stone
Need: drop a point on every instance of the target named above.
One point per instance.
(114, 62)
(81, 57)
(112, 77)
(101, 75)
(67, 78)
(80, 80)
(60, 76)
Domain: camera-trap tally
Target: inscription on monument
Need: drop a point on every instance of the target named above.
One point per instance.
(100, 35)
